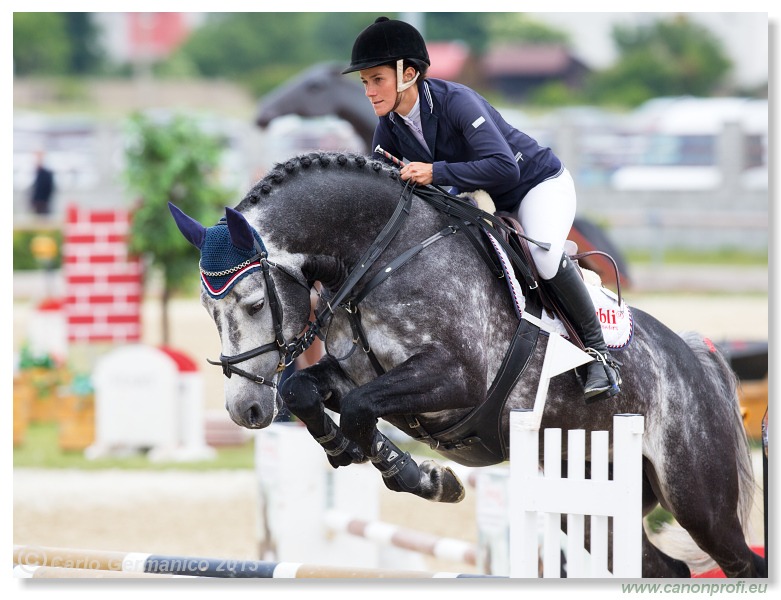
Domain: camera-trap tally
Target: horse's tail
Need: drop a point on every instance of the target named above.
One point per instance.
(677, 542)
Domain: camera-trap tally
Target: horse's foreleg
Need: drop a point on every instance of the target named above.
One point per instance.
(305, 393)
(401, 391)
(401, 473)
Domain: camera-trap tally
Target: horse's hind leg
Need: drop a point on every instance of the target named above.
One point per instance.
(708, 511)
(725, 543)
(657, 564)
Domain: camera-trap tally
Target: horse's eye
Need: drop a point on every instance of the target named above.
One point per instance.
(257, 307)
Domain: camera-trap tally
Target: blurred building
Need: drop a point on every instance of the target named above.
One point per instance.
(449, 60)
(143, 37)
(518, 70)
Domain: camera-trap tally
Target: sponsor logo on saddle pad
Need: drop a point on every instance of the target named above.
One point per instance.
(615, 318)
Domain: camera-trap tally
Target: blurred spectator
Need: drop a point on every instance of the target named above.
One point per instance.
(43, 187)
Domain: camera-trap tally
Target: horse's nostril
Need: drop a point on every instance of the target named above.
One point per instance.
(253, 414)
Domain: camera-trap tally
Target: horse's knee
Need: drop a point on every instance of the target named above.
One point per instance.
(300, 394)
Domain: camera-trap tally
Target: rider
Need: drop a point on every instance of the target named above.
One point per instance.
(450, 135)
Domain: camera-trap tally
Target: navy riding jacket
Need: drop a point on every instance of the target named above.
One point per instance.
(471, 146)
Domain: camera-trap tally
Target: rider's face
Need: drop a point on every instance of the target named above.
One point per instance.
(379, 84)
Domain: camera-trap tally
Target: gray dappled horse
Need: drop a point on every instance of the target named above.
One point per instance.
(405, 282)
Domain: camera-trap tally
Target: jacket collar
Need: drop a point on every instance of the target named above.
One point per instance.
(428, 121)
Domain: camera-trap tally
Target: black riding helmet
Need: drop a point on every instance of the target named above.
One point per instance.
(387, 41)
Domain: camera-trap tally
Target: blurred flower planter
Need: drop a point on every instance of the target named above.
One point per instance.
(44, 383)
(77, 422)
(76, 415)
(753, 401)
(23, 399)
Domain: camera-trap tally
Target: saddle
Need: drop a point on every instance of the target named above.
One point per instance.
(514, 236)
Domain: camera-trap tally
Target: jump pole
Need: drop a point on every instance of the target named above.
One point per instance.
(51, 562)
(408, 539)
(41, 572)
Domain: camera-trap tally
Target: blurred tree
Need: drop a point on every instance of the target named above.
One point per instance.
(523, 29)
(261, 50)
(171, 161)
(666, 58)
(554, 94)
(41, 44)
(86, 56)
(470, 28)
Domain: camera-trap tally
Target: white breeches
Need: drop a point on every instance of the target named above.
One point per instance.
(546, 215)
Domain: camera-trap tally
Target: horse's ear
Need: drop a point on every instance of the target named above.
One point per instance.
(239, 229)
(192, 230)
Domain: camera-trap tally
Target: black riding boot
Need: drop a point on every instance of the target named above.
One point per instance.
(603, 378)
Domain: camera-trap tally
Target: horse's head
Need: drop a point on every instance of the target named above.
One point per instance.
(313, 93)
(320, 91)
(240, 294)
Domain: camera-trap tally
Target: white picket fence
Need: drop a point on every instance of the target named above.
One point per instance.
(537, 496)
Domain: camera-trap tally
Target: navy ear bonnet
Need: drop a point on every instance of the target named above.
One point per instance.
(222, 263)
(229, 250)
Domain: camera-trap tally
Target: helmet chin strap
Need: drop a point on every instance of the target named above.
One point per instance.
(401, 85)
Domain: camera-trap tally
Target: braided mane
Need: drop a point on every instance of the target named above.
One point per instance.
(293, 166)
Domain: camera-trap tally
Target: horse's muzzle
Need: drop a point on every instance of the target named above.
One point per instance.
(254, 414)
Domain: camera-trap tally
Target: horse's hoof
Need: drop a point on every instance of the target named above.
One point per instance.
(443, 484)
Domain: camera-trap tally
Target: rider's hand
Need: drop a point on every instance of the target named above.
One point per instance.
(418, 172)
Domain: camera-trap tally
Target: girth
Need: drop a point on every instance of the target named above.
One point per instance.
(481, 430)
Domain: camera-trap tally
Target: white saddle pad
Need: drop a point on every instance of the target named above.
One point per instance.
(615, 318)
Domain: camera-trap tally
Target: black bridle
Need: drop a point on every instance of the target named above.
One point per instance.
(288, 351)
(461, 213)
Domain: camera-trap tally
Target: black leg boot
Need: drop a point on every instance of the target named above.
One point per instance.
(602, 376)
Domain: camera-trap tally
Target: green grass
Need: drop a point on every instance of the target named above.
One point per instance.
(679, 256)
(41, 450)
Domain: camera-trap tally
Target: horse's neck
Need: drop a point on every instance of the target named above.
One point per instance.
(297, 223)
